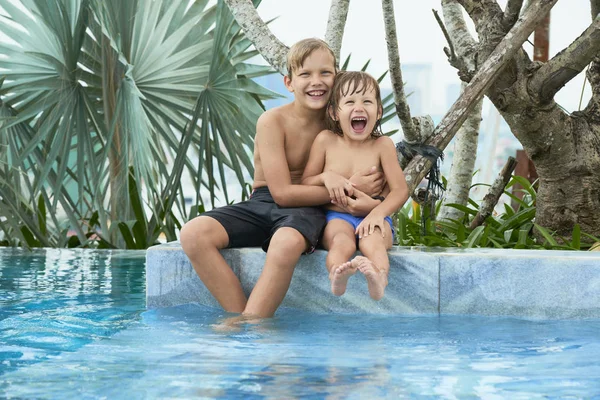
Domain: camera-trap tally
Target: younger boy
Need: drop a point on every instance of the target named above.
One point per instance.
(353, 141)
(277, 216)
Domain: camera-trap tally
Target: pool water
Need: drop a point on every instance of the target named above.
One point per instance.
(73, 324)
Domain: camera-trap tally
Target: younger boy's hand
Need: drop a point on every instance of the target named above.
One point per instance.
(339, 188)
(369, 224)
(371, 181)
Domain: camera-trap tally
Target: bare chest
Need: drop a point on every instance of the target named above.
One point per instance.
(297, 146)
(348, 161)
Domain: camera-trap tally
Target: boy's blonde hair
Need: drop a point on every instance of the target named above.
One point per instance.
(300, 51)
(347, 83)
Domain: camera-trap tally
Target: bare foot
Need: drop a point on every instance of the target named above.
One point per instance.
(376, 279)
(339, 277)
(234, 324)
(230, 324)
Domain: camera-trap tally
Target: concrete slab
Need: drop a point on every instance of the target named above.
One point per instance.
(523, 283)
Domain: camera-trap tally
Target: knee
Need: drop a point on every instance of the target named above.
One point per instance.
(286, 240)
(198, 234)
(344, 242)
(371, 244)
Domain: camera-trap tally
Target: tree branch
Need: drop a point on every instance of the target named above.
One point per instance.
(595, 7)
(488, 18)
(502, 54)
(450, 49)
(465, 44)
(463, 164)
(259, 34)
(411, 134)
(493, 195)
(564, 66)
(338, 13)
(480, 11)
(511, 13)
(593, 73)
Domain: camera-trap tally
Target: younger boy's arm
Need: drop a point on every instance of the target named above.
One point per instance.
(270, 142)
(369, 181)
(397, 185)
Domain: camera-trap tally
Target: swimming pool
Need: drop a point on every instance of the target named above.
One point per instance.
(73, 324)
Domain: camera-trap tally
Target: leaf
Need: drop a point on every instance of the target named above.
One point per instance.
(475, 237)
(576, 237)
(546, 234)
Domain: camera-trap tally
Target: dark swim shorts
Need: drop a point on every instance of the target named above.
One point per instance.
(252, 223)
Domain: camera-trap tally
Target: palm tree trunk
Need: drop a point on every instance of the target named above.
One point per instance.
(118, 193)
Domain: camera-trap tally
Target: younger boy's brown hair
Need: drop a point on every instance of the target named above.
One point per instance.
(300, 51)
(348, 83)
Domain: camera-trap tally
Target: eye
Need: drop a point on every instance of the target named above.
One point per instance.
(368, 102)
(304, 74)
(349, 102)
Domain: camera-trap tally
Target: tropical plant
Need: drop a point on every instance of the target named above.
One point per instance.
(512, 229)
(563, 147)
(107, 104)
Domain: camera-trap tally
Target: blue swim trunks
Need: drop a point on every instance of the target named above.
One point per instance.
(354, 221)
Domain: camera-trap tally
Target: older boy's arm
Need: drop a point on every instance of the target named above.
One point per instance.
(271, 146)
(360, 204)
(313, 172)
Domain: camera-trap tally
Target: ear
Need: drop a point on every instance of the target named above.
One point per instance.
(287, 81)
(380, 112)
(331, 113)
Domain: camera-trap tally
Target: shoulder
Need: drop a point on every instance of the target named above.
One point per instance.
(270, 124)
(270, 117)
(384, 142)
(326, 137)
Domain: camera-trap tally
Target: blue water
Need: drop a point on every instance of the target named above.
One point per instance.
(73, 324)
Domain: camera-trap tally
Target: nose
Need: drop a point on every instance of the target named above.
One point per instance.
(315, 80)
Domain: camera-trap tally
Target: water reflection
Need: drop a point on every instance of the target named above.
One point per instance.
(54, 300)
(78, 318)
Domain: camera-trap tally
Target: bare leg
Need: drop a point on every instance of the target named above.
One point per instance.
(340, 240)
(201, 239)
(376, 264)
(286, 247)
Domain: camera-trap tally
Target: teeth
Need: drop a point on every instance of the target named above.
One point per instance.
(317, 93)
(359, 119)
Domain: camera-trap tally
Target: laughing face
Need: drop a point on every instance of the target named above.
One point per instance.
(311, 83)
(358, 112)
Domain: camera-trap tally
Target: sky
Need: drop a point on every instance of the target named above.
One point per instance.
(419, 36)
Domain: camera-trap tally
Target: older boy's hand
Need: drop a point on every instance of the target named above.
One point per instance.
(339, 188)
(361, 205)
(371, 181)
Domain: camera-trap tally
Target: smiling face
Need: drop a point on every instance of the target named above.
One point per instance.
(312, 81)
(356, 106)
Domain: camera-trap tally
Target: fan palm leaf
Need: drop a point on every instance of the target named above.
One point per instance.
(100, 91)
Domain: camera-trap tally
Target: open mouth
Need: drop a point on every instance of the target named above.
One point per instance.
(316, 93)
(358, 124)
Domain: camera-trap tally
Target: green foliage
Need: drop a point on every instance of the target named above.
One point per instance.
(99, 97)
(513, 229)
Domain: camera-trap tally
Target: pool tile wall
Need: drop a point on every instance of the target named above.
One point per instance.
(524, 283)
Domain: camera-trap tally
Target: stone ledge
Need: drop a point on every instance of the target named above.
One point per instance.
(523, 283)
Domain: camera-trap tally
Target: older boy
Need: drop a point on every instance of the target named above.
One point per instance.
(278, 215)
